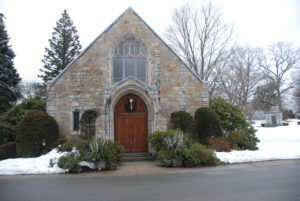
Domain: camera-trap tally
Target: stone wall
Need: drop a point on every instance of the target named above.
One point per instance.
(87, 82)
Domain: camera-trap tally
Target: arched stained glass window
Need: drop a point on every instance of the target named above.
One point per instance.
(130, 60)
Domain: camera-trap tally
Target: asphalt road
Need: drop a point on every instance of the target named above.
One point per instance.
(274, 181)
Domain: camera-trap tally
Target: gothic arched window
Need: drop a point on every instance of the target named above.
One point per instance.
(129, 60)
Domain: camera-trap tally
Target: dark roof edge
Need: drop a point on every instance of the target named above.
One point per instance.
(106, 30)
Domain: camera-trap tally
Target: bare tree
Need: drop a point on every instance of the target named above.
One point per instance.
(297, 92)
(277, 64)
(33, 88)
(201, 39)
(241, 77)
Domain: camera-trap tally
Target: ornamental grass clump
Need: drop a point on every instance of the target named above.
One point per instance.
(176, 149)
(86, 155)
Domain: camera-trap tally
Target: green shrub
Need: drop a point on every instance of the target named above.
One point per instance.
(218, 144)
(70, 162)
(233, 120)
(87, 123)
(6, 131)
(103, 154)
(182, 120)
(35, 131)
(8, 150)
(157, 140)
(198, 154)
(178, 150)
(176, 145)
(234, 138)
(11, 118)
(248, 140)
(207, 124)
(82, 145)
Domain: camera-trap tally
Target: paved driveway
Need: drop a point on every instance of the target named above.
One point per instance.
(274, 181)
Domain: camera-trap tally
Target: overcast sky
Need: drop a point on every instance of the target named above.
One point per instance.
(30, 22)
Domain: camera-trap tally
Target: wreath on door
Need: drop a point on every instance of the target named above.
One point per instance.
(130, 105)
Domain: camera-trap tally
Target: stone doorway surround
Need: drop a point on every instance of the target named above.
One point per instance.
(149, 96)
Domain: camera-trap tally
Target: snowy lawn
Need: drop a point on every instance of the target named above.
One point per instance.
(281, 142)
(39, 165)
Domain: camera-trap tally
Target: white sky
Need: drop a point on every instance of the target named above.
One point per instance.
(30, 22)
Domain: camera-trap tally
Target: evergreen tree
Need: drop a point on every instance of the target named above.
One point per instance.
(265, 97)
(64, 47)
(9, 78)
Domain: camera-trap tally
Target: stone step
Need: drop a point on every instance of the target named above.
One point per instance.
(136, 156)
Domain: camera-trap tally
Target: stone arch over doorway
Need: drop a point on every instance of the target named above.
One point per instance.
(134, 88)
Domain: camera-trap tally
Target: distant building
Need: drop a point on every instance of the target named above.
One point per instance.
(273, 117)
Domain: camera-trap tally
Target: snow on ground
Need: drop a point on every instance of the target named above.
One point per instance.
(39, 165)
(281, 142)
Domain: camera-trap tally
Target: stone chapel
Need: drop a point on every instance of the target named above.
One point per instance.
(132, 78)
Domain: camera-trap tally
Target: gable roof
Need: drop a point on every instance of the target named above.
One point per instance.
(129, 9)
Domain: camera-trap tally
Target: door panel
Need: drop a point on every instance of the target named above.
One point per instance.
(131, 128)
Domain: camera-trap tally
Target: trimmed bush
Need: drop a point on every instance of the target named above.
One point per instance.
(8, 150)
(207, 124)
(182, 120)
(198, 154)
(176, 149)
(218, 144)
(87, 123)
(10, 120)
(233, 120)
(35, 131)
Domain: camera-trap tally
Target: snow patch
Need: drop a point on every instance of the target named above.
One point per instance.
(276, 143)
(87, 164)
(39, 165)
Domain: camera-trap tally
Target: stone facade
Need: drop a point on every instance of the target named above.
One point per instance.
(87, 83)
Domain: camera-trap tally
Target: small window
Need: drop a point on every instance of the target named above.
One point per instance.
(76, 114)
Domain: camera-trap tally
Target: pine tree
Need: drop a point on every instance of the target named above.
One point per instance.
(9, 78)
(265, 97)
(64, 47)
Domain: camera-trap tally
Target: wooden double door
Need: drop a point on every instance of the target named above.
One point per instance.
(131, 123)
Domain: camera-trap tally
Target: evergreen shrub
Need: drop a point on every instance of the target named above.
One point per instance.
(35, 131)
(207, 124)
(233, 122)
(8, 150)
(9, 121)
(87, 123)
(6, 133)
(182, 120)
